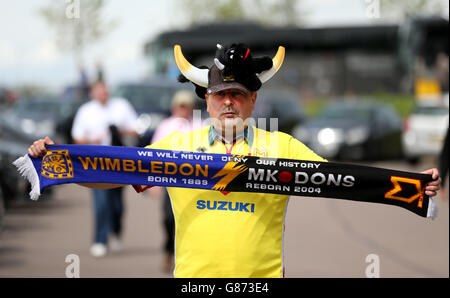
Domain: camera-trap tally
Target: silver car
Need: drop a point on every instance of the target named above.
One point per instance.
(424, 131)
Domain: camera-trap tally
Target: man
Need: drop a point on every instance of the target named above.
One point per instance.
(443, 165)
(181, 108)
(102, 121)
(246, 238)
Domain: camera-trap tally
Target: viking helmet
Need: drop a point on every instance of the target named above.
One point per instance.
(233, 68)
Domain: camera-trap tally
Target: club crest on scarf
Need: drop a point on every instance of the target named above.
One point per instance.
(56, 164)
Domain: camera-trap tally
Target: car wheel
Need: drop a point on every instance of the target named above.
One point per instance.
(413, 160)
(353, 153)
(2, 209)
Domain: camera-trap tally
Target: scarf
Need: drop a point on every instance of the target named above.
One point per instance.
(226, 173)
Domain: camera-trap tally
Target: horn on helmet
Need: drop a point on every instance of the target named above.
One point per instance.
(277, 62)
(192, 73)
(218, 64)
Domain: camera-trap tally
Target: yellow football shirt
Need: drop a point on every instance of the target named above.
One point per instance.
(235, 234)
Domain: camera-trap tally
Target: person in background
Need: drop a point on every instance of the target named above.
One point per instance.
(103, 121)
(443, 166)
(182, 108)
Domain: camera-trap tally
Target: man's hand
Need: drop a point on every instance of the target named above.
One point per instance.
(38, 148)
(431, 188)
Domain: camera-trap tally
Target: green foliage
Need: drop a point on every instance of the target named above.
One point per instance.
(268, 12)
(75, 34)
(408, 8)
(403, 104)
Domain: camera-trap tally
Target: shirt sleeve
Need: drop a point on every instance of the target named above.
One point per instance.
(130, 118)
(78, 127)
(298, 150)
(160, 132)
(171, 142)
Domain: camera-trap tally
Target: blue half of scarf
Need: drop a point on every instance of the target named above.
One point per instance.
(223, 172)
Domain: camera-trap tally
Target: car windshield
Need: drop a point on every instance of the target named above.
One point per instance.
(289, 107)
(345, 112)
(37, 109)
(431, 110)
(279, 104)
(147, 97)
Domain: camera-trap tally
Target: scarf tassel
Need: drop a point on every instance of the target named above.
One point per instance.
(26, 169)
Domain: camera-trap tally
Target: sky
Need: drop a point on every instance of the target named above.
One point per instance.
(29, 55)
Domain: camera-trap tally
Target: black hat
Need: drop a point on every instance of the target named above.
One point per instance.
(217, 82)
(234, 68)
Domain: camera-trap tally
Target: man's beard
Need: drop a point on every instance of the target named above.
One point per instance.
(229, 128)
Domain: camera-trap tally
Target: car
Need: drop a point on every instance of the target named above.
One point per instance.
(353, 130)
(40, 116)
(283, 105)
(24, 122)
(152, 100)
(424, 131)
(13, 144)
(2, 210)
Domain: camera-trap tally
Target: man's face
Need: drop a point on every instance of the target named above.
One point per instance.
(231, 108)
(100, 92)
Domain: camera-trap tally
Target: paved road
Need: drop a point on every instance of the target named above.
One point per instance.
(324, 238)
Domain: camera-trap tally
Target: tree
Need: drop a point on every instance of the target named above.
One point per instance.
(78, 24)
(402, 9)
(268, 12)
